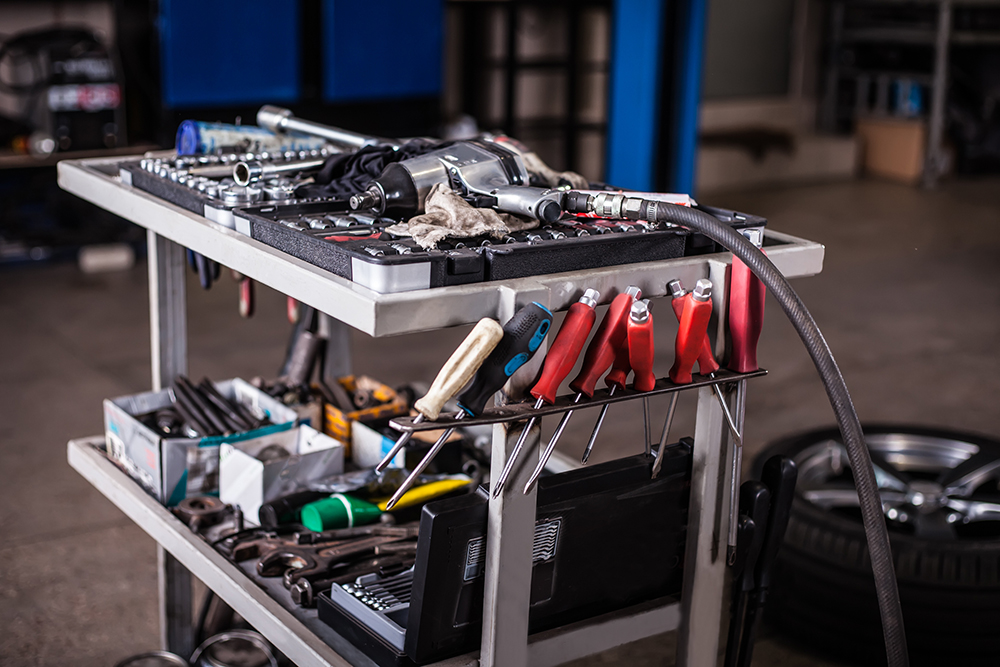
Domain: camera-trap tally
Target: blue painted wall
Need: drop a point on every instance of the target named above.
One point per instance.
(381, 49)
(228, 52)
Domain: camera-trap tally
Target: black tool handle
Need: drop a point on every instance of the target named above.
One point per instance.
(206, 408)
(737, 610)
(779, 475)
(522, 336)
(754, 501)
(237, 411)
(286, 508)
(192, 413)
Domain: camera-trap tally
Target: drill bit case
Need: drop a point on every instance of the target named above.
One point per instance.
(606, 537)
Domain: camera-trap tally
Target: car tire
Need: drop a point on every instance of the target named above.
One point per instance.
(947, 568)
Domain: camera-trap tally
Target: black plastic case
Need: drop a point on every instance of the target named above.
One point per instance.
(611, 514)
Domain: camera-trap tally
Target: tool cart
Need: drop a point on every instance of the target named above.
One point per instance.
(298, 632)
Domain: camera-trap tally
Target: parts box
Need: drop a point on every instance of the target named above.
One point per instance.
(171, 469)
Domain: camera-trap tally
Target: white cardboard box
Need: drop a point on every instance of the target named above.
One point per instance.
(248, 482)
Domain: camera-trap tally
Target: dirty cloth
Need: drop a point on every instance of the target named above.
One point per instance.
(448, 215)
(545, 176)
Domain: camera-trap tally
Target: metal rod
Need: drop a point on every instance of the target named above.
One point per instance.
(645, 424)
(512, 459)
(403, 439)
(658, 463)
(734, 486)
(521, 411)
(424, 462)
(597, 427)
(245, 173)
(549, 449)
(729, 416)
(279, 120)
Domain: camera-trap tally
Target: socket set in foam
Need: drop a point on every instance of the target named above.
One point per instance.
(355, 246)
(204, 184)
(328, 235)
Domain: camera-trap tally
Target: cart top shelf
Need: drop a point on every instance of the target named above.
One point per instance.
(96, 180)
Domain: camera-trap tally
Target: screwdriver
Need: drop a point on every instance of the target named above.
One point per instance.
(522, 336)
(693, 329)
(706, 364)
(600, 354)
(558, 363)
(463, 362)
(640, 356)
(746, 318)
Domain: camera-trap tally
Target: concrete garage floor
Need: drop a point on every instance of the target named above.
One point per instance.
(909, 301)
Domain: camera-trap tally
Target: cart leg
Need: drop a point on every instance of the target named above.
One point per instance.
(168, 326)
(708, 524)
(511, 525)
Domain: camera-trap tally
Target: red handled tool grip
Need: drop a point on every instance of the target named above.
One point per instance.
(690, 335)
(565, 350)
(621, 367)
(603, 348)
(746, 317)
(640, 353)
(706, 360)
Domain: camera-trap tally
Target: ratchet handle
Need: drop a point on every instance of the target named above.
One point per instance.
(564, 351)
(692, 330)
(640, 353)
(746, 317)
(522, 336)
(460, 367)
(706, 358)
(603, 348)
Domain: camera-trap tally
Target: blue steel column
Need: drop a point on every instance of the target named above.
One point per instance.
(634, 92)
(690, 35)
(637, 93)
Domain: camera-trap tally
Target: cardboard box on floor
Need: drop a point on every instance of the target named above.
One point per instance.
(893, 148)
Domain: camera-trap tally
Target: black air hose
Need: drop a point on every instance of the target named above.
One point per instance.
(634, 208)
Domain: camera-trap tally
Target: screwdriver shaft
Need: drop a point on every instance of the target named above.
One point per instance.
(734, 510)
(665, 434)
(550, 448)
(509, 465)
(729, 415)
(403, 439)
(597, 426)
(420, 467)
(645, 424)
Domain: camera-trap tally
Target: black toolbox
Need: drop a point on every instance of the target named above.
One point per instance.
(606, 537)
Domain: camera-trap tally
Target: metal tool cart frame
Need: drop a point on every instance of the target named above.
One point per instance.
(297, 632)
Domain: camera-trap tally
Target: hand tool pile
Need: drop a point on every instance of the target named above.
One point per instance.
(306, 561)
(201, 410)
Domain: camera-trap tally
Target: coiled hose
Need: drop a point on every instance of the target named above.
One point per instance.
(634, 208)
